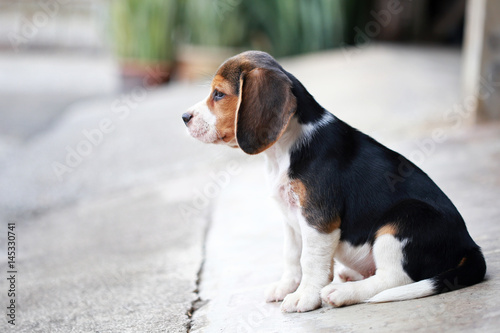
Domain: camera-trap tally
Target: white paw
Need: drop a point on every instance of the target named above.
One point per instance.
(340, 294)
(277, 291)
(327, 290)
(303, 300)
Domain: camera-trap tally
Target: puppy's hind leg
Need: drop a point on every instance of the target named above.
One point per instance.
(388, 256)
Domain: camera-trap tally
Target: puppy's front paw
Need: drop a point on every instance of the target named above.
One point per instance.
(280, 289)
(302, 300)
(340, 294)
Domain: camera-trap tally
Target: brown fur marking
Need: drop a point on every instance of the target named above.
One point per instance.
(462, 261)
(299, 189)
(316, 220)
(332, 226)
(388, 229)
(224, 109)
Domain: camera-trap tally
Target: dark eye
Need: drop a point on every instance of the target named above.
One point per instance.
(218, 95)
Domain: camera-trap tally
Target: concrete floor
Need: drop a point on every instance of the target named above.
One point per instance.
(118, 244)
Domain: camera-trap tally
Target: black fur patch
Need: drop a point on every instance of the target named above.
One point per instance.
(350, 175)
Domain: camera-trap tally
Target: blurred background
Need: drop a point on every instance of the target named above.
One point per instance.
(112, 45)
(93, 151)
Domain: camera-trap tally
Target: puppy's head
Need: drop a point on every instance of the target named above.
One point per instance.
(249, 106)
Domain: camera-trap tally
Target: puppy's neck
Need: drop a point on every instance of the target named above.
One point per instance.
(296, 136)
(282, 147)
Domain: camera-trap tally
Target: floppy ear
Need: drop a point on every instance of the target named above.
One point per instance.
(265, 106)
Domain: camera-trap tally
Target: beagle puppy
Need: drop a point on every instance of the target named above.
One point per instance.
(348, 201)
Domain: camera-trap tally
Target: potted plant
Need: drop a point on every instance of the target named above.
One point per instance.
(143, 35)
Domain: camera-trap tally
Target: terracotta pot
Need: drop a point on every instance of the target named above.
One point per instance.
(144, 73)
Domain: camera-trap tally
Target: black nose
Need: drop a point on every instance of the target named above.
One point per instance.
(186, 117)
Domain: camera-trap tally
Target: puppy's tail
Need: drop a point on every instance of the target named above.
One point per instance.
(470, 270)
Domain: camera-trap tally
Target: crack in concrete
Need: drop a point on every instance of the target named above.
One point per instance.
(198, 302)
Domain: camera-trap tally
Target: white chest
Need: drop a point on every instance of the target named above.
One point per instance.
(278, 164)
(282, 188)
